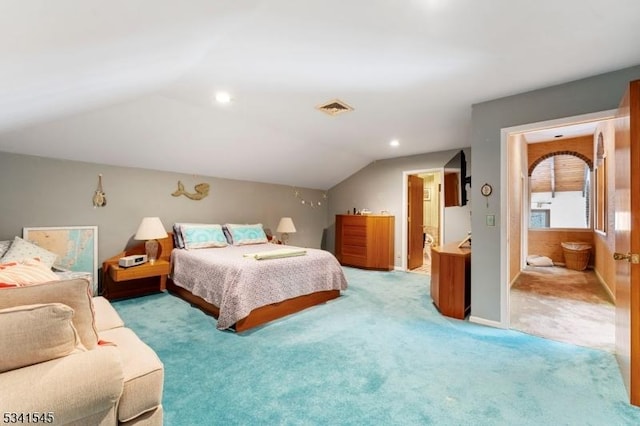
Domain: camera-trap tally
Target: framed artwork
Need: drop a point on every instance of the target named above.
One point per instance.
(427, 194)
(76, 247)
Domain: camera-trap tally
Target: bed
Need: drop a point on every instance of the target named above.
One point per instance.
(243, 287)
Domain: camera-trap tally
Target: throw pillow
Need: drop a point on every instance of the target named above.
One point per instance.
(203, 236)
(4, 246)
(36, 333)
(247, 234)
(74, 293)
(22, 249)
(30, 271)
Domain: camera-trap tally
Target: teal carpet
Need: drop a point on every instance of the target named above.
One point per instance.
(378, 355)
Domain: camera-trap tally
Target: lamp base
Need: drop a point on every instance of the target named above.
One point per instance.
(151, 247)
(285, 238)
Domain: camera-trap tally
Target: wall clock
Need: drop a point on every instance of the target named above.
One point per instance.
(486, 189)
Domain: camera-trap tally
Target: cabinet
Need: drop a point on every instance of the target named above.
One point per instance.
(135, 281)
(119, 283)
(451, 280)
(365, 241)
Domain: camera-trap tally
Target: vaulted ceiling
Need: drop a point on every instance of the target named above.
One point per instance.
(131, 82)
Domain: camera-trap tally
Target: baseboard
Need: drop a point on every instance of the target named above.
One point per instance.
(513, 281)
(488, 323)
(605, 286)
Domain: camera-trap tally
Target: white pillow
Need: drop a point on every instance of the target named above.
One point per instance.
(537, 260)
(30, 271)
(22, 250)
(4, 246)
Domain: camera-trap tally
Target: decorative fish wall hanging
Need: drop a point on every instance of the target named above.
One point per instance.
(202, 190)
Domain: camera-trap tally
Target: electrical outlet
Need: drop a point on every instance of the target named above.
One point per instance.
(491, 220)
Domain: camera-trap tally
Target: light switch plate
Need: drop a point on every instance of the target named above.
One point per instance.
(491, 220)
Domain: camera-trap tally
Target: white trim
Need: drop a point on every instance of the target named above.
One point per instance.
(27, 235)
(504, 194)
(482, 321)
(524, 222)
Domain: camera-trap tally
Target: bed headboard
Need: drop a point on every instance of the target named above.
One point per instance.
(164, 251)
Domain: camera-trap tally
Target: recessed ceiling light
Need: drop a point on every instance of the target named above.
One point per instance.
(394, 143)
(223, 97)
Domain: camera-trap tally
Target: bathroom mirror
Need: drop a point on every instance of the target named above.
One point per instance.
(560, 193)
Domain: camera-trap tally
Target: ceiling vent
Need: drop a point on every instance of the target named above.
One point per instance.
(334, 107)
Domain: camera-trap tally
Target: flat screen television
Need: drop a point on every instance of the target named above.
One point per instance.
(456, 175)
(464, 179)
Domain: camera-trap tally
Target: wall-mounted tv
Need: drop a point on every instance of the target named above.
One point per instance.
(464, 179)
(456, 181)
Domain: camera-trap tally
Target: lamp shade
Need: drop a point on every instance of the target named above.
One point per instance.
(286, 226)
(151, 228)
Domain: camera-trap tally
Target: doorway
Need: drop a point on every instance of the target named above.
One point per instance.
(423, 219)
(552, 301)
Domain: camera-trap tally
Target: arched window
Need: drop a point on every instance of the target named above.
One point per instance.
(560, 188)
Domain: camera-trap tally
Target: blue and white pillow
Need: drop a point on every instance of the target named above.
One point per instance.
(4, 246)
(21, 250)
(246, 234)
(202, 236)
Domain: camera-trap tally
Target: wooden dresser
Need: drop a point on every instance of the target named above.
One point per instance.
(451, 280)
(365, 241)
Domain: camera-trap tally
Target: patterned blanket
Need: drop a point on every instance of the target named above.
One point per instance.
(237, 284)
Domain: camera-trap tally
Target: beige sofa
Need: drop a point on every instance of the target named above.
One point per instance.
(66, 358)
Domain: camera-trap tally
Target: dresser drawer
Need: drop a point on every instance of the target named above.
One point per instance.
(354, 231)
(349, 250)
(359, 241)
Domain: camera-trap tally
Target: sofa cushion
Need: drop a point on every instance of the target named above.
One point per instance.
(74, 388)
(74, 293)
(143, 374)
(106, 317)
(150, 418)
(31, 334)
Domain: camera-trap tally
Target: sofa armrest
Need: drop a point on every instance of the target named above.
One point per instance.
(71, 388)
(106, 317)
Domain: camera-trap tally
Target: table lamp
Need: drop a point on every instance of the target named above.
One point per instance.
(151, 229)
(286, 227)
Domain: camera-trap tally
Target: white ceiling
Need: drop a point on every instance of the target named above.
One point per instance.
(562, 132)
(130, 82)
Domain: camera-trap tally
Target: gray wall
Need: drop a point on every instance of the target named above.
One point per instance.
(38, 191)
(379, 186)
(584, 96)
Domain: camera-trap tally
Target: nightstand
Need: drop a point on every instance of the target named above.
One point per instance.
(119, 283)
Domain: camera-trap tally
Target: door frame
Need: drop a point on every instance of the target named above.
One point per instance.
(405, 211)
(505, 186)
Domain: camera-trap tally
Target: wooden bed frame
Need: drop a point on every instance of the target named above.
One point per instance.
(261, 315)
(257, 316)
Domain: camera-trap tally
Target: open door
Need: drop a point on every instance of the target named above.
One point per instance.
(415, 222)
(627, 236)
